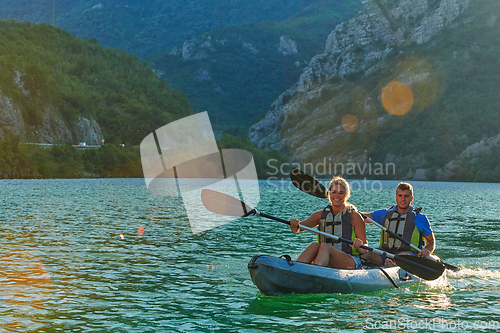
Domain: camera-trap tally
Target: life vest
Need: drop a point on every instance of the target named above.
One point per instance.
(339, 225)
(404, 226)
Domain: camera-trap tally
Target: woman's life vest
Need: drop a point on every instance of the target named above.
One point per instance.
(339, 225)
(404, 226)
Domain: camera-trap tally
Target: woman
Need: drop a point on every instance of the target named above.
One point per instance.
(340, 218)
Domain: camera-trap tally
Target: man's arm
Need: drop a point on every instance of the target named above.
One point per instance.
(430, 245)
(369, 216)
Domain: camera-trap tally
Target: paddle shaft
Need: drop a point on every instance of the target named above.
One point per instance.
(416, 248)
(337, 238)
(399, 259)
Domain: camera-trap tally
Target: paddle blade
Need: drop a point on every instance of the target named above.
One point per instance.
(422, 267)
(224, 204)
(451, 267)
(308, 184)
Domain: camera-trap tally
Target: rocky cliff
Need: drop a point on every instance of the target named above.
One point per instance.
(310, 120)
(53, 128)
(473, 155)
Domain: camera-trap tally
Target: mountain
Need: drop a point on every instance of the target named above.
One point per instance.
(405, 83)
(230, 58)
(235, 73)
(57, 90)
(55, 87)
(145, 28)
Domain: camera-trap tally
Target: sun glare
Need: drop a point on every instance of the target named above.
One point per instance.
(397, 98)
(350, 122)
(24, 288)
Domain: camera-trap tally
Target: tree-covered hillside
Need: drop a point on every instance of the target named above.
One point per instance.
(464, 109)
(237, 72)
(46, 68)
(148, 27)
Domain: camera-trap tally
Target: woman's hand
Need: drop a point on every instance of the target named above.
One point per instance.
(294, 225)
(357, 243)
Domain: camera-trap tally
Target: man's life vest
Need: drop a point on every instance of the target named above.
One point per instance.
(339, 225)
(404, 226)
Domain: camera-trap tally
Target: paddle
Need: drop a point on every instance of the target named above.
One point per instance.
(431, 257)
(309, 185)
(224, 204)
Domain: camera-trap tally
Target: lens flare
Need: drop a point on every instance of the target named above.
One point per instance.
(397, 98)
(350, 122)
(316, 125)
(140, 231)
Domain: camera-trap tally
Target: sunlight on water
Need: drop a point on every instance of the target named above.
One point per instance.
(442, 283)
(466, 273)
(24, 289)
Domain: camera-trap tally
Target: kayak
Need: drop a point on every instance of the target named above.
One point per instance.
(277, 276)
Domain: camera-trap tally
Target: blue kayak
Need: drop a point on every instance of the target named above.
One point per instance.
(277, 276)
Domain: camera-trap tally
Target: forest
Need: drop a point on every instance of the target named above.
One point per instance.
(44, 67)
(22, 160)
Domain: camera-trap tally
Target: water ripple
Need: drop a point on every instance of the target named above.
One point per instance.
(72, 259)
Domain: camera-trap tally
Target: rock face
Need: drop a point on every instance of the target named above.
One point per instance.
(87, 130)
(53, 129)
(358, 46)
(11, 120)
(287, 46)
(469, 156)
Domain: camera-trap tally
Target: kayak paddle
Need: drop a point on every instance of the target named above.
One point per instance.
(309, 185)
(224, 204)
(432, 257)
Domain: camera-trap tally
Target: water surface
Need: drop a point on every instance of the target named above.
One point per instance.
(104, 255)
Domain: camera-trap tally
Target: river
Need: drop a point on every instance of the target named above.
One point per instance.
(105, 255)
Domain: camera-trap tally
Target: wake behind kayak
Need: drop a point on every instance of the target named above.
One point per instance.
(276, 276)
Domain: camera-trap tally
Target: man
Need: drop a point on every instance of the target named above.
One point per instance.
(405, 221)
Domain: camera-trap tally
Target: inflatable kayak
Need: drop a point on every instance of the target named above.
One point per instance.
(276, 276)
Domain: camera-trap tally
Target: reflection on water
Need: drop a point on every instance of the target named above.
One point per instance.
(64, 266)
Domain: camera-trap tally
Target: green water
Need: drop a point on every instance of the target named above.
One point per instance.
(73, 259)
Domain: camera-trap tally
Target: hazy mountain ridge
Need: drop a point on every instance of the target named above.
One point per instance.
(147, 28)
(237, 72)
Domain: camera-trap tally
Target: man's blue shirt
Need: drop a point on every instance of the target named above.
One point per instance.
(421, 221)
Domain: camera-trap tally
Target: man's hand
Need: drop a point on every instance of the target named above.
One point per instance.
(424, 253)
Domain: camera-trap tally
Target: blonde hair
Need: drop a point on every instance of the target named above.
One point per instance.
(338, 180)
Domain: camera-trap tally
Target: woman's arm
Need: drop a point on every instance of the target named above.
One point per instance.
(310, 222)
